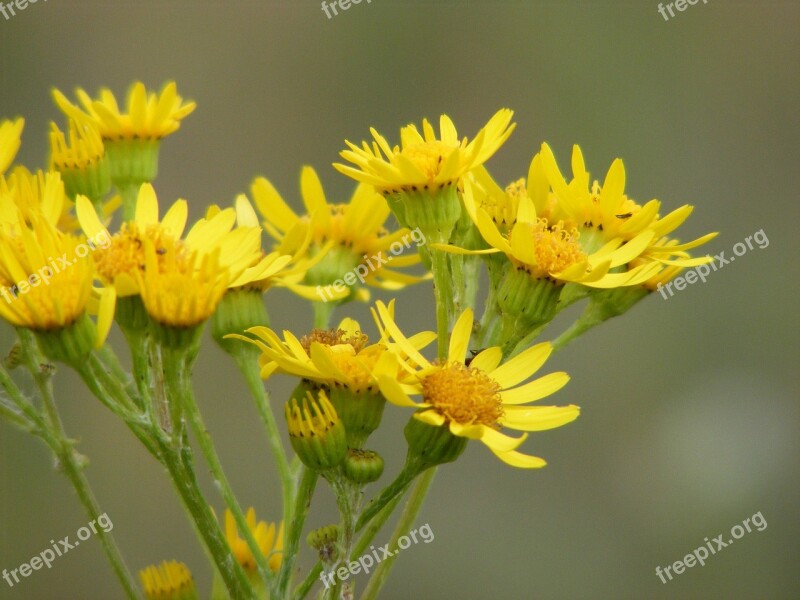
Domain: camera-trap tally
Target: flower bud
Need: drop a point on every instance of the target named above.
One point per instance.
(168, 581)
(316, 432)
(362, 466)
(325, 541)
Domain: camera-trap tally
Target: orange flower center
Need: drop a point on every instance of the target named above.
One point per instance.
(463, 394)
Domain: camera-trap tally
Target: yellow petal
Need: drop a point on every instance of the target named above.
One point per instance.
(87, 217)
(519, 460)
(522, 366)
(105, 315)
(535, 390)
(174, 222)
(431, 417)
(392, 391)
(459, 338)
(538, 418)
(500, 441)
(488, 359)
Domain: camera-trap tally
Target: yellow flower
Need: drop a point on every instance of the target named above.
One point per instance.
(340, 357)
(149, 116)
(41, 192)
(84, 148)
(10, 134)
(46, 277)
(342, 363)
(180, 289)
(545, 249)
(604, 215)
(45, 190)
(285, 267)
(479, 397)
(236, 250)
(268, 537)
(425, 161)
(83, 166)
(343, 238)
(170, 580)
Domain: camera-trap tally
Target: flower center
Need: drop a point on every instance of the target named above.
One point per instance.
(335, 337)
(428, 157)
(125, 254)
(555, 248)
(463, 394)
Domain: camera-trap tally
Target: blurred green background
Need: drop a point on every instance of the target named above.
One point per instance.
(689, 406)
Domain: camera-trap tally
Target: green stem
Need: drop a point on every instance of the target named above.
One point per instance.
(247, 361)
(103, 388)
(370, 531)
(179, 391)
(305, 490)
(347, 500)
(407, 517)
(390, 492)
(110, 361)
(205, 523)
(129, 194)
(15, 417)
(62, 446)
(322, 314)
(444, 298)
(590, 318)
(23, 412)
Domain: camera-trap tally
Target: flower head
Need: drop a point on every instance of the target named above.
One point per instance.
(510, 222)
(46, 276)
(149, 116)
(424, 161)
(81, 160)
(339, 357)
(607, 219)
(237, 250)
(340, 238)
(476, 398)
(171, 580)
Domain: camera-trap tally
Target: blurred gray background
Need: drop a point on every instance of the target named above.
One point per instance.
(690, 406)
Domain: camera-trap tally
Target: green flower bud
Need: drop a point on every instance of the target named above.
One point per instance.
(361, 412)
(362, 466)
(325, 541)
(316, 432)
(238, 310)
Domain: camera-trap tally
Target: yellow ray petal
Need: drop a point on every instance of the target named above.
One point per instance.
(522, 366)
(538, 418)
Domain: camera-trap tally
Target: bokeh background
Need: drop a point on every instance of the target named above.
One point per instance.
(690, 406)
